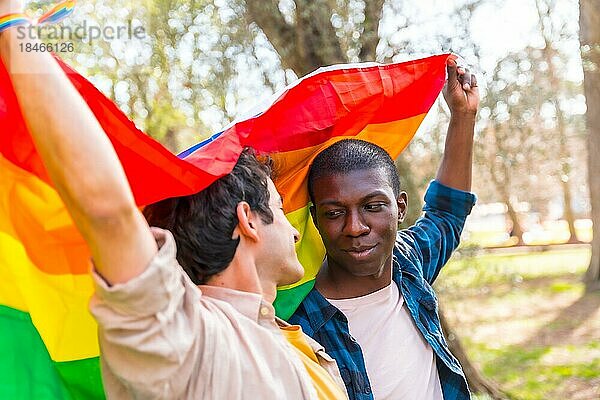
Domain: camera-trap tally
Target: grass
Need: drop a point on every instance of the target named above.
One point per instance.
(526, 321)
(524, 374)
(467, 271)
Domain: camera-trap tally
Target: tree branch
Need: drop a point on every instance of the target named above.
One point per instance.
(317, 40)
(370, 37)
(266, 14)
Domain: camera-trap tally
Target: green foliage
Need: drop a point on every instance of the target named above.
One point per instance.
(559, 287)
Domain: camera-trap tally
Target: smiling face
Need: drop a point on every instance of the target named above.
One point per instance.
(357, 216)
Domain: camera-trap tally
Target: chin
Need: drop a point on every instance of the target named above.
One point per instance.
(366, 269)
(293, 275)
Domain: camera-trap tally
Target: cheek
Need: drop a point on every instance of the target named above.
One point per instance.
(327, 231)
(387, 226)
(393, 215)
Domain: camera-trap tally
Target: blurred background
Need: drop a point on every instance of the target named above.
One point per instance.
(521, 298)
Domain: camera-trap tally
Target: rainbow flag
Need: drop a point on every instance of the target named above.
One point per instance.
(57, 13)
(48, 345)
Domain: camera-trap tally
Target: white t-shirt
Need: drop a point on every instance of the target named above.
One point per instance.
(400, 363)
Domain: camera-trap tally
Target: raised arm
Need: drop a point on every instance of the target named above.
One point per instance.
(79, 158)
(437, 233)
(462, 95)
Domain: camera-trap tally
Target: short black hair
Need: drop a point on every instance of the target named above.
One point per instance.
(203, 223)
(350, 155)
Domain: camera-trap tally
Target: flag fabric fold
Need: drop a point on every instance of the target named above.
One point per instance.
(48, 345)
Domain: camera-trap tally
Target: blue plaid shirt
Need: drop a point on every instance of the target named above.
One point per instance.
(420, 253)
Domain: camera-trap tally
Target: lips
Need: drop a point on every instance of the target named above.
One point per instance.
(361, 252)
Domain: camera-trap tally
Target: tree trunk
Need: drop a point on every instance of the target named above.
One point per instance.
(564, 169)
(408, 184)
(568, 212)
(516, 229)
(503, 188)
(307, 44)
(589, 37)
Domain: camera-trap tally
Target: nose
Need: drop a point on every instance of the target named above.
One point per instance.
(355, 225)
(294, 232)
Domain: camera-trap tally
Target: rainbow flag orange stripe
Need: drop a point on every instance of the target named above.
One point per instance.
(48, 346)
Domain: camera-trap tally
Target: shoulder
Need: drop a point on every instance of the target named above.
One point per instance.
(310, 306)
(313, 313)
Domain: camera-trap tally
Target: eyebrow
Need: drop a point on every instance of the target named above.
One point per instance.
(365, 198)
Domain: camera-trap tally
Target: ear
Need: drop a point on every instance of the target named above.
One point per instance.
(402, 201)
(247, 226)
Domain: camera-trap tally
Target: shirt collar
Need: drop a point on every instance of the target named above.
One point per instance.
(251, 305)
(396, 269)
(319, 311)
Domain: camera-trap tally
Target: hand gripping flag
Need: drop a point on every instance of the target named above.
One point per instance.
(48, 344)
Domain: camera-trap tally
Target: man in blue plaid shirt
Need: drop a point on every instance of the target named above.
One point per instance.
(373, 307)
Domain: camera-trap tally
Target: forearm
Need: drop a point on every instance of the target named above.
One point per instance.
(437, 232)
(77, 154)
(75, 150)
(456, 167)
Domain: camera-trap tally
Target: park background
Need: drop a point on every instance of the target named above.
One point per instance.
(521, 297)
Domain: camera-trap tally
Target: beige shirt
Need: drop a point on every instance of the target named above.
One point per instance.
(162, 337)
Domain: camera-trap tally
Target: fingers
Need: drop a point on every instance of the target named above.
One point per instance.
(464, 77)
(473, 81)
(451, 69)
(460, 74)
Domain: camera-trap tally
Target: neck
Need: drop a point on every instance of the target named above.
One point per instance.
(239, 275)
(242, 275)
(269, 291)
(335, 282)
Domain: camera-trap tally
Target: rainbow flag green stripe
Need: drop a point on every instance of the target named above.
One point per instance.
(40, 377)
(287, 300)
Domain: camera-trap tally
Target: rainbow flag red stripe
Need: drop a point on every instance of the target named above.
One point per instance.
(47, 336)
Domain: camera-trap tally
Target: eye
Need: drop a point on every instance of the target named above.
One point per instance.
(374, 206)
(331, 214)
